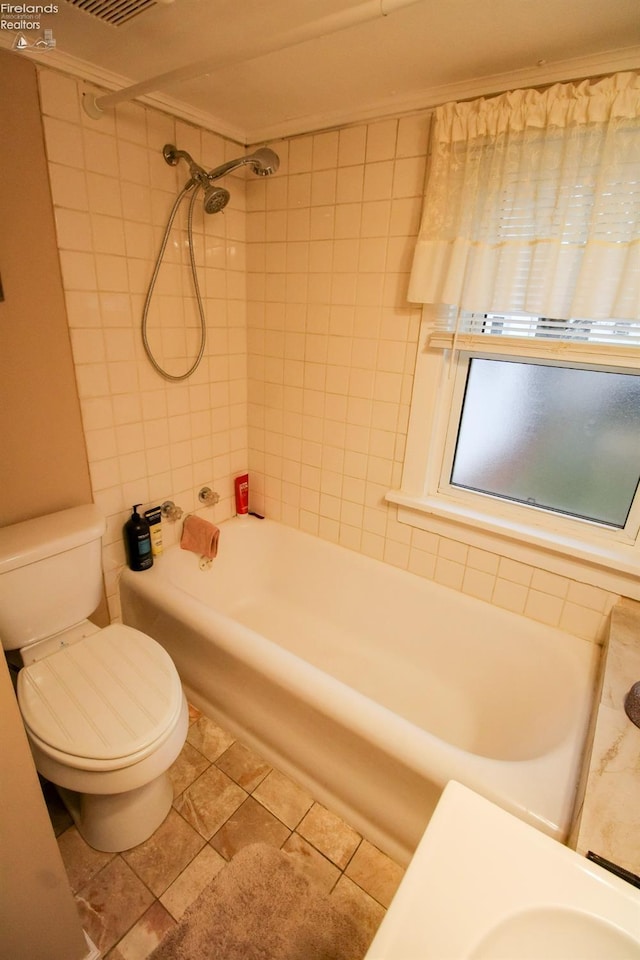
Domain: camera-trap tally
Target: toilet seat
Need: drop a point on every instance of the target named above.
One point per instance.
(104, 702)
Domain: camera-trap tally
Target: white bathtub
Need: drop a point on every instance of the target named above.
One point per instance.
(369, 685)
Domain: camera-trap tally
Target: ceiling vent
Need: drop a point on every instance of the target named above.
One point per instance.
(115, 12)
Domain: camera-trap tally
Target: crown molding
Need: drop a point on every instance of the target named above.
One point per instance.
(100, 80)
(578, 68)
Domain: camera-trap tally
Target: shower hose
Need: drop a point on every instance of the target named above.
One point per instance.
(196, 286)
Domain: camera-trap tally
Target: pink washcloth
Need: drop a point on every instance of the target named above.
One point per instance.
(199, 536)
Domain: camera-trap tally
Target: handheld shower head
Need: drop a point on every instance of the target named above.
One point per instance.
(215, 199)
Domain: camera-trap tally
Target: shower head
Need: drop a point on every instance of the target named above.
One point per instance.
(263, 162)
(215, 199)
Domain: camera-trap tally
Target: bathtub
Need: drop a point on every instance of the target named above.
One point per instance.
(368, 685)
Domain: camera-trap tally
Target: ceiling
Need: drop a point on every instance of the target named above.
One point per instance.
(258, 70)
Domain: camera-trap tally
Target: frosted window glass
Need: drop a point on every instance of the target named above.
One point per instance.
(561, 438)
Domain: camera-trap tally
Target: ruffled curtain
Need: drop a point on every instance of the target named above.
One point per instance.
(533, 203)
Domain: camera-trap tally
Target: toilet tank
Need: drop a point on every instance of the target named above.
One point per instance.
(50, 574)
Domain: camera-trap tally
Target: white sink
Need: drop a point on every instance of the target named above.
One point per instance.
(483, 885)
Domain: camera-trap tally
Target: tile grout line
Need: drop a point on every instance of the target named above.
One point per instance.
(293, 832)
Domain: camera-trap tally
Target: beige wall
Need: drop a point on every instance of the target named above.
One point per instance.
(43, 467)
(38, 916)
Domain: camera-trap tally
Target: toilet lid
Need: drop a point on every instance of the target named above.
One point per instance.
(109, 695)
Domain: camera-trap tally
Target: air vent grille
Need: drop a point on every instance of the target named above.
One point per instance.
(115, 12)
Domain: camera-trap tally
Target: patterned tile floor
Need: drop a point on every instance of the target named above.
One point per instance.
(225, 796)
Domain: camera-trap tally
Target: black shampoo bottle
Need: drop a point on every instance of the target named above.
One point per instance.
(137, 538)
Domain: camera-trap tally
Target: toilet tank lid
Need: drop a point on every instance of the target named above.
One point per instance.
(32, 540)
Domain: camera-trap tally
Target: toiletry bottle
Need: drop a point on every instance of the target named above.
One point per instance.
(154, 519)
(242, 493)
(137, 538)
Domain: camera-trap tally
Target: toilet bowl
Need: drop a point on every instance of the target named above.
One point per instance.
(103, 708)
(105, 717)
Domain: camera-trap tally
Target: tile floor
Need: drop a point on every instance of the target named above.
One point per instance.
(225, 796)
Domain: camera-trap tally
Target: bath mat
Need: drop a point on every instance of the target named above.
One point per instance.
(262, 907)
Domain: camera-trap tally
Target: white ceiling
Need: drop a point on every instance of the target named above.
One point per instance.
(256, 82)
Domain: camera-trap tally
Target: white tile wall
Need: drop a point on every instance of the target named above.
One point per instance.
(148, 440)
(332, 344)
(307, 374)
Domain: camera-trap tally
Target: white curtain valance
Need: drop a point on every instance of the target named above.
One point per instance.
(533, 203)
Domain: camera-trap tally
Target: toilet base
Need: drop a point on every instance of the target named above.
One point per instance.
(118, 821)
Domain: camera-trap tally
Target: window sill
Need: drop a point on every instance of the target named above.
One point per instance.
(610, 566)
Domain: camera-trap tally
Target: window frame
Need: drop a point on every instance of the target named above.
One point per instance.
(583, 549)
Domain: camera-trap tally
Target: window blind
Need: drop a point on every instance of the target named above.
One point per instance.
(451, 322)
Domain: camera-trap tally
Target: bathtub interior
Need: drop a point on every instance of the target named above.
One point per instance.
(482, 679)
(505, 687)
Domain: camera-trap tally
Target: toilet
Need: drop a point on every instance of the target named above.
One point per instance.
(103, 708)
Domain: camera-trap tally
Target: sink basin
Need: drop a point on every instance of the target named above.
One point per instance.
(555, 934)
(483, 885)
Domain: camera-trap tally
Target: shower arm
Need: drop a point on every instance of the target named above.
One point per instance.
(198, 175)
(230, 165)
(172, 155)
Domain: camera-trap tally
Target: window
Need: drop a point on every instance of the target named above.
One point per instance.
(525, 415)
(547, 436)
(508, 440)
(544, 433)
